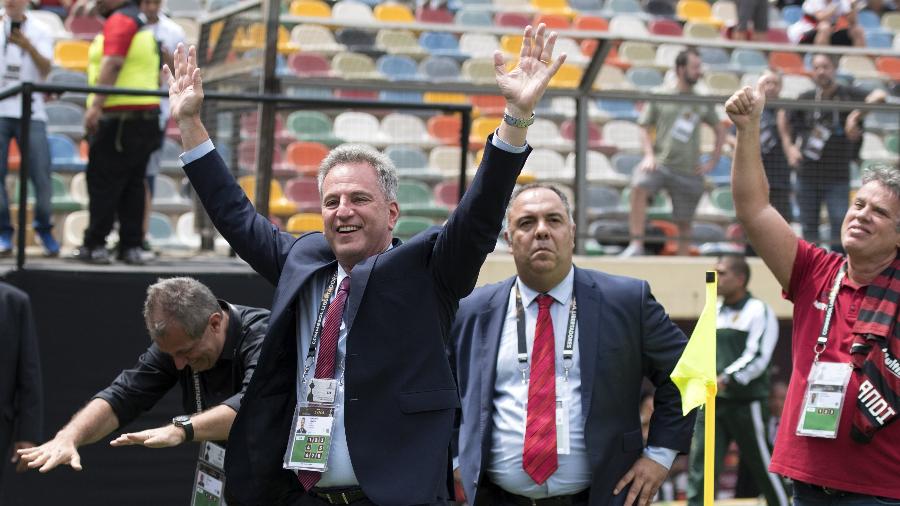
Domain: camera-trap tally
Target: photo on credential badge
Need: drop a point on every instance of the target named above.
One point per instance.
(208, 487)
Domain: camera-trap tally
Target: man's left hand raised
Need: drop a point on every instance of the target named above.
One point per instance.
(645, 477)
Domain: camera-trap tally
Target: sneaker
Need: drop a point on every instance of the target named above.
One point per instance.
(132, 256)
(97, 255)
(633, 250)
(5, 243)
(51, 247)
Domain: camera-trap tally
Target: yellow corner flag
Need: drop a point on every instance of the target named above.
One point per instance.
(695, 372)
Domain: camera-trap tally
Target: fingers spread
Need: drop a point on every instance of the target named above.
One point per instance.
(526, 43)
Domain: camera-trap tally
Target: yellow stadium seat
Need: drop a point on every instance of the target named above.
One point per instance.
(390, 12)
(72, 54)
(511, 44)
(278, 204)
(310, 9)
(482, 127)
(305, 222)
(569, 76)
(285, 44)
(443, 97)
(553, 7)
(696, 10)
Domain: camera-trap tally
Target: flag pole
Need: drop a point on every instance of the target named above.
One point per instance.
(709, 425)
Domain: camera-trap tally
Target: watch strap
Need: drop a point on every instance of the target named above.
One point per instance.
(186, 426)
(518, 122)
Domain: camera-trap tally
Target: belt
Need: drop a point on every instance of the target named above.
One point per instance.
(819, 489)
(131, 114)
(559, 500)
(338, 495)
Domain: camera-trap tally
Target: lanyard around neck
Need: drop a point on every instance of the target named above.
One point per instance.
(829, 312)
(317, 328)
(568, 346)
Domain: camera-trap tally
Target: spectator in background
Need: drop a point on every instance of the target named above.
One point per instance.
(774, 141)
(168, 35)
(881, 7)
(27, 57)
(122, 131)
(671, 160)
(58, 7)
(825, 142)
(755, 12)
(199, 342)
(746, 335)
(21, 390)
(829, 23)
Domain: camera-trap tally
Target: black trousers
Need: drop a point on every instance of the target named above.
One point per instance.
(117, 164)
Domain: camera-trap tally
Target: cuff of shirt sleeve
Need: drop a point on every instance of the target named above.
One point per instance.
(505, 146)
(660, 455)
(455, 463)
(197, 152)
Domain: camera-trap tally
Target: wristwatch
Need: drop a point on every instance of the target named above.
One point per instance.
(518, 122)
(184, 422)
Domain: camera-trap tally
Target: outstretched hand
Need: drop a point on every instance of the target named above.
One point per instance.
(746, 105)
(162, 437)
(524, 85)
(185, 84)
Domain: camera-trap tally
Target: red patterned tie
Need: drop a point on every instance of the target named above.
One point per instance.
(539, 455)
(331, 330)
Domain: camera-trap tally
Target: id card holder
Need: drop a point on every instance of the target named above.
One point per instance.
(209, 480)
(684, 127)
(563, 445)
(767, 139)
(823, 402)
(310, 440)
(816, 142)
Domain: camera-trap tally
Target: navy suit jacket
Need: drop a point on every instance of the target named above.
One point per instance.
(400, 395)
(623, 336)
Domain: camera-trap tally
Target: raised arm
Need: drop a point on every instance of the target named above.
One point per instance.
(770, 235)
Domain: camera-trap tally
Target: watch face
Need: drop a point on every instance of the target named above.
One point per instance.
(182, 419)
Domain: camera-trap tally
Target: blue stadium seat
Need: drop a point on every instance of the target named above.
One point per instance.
(398, 68)
(721, 173)
(790, 14)
(876, 38)
(868, 20)
(413, 97)
(441, 44)
(439, 69)
(618, 109)
(64, 154)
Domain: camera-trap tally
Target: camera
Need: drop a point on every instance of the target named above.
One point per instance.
(15, 26)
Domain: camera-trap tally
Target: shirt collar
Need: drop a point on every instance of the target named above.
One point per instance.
(232, 332)
(561, 293)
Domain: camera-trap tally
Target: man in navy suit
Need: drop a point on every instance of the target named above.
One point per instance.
(395, 393)
(601, 335)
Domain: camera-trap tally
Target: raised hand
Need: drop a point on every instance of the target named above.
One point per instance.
(524, 85)
(185, 84)
(57, 451)
(746, 105)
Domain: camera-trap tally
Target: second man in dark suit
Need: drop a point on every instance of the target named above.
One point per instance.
(551, 389)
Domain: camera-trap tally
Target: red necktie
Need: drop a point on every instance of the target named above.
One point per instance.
(539, 456)
(331, 330)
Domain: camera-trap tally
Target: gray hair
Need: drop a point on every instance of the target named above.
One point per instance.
(887, 176)
(184, 301)
(534, 186)
(360, 153)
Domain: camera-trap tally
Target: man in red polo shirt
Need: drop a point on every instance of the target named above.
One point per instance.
(123, 130)
(829, 442)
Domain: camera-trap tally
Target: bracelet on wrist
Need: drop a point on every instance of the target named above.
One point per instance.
(517, 122)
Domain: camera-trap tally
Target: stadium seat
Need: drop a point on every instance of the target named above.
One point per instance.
(399, 42)
(568, 76)
(61, 200)
(588, 7)
(84, 27)
(398, 68)
(595, 139)
(637, 53)
(311, 126)
(487, 105)
(73, 228)
(614, 7)
(777, 36)
(305, 156)
(78, 189)
(889, 66)
(310, 9)
(351, 10)
(623, 134)
(701, 30)
(511, 44)
(478, 44)
(749, 60)
(868, 20)
(666, 55)
(858, 66)
(874, 147)
(722, 198)
(725, 11)
(52, 21)
(609, 109)
(466, 17)
(715, 58)
(703, 232)
(611, 78)
(425, 14)
(402, 128)
(309, 65)
(445, 128)
(279, 205)
(64, 155)
(184, 229)
(443, 97)
(358, 40)
(560, 7)
(629, 26)
(65, 118)
(793, 85)
(353, 66)
(316, 39)
(665, 27)
(721, 83)
(553, 21)
(590, 23)
(441, 44)
(660, 204)
(71, 54)
(600, 170)
(305, 222)
(512, 20)
(660, 9)
(891, 21)
(446, 193)
(355, 126)
(548, 165)
(544, 133)
(721, 173)
(878, 39)
(304, 191)
(391, 12)
(787, 63)
(166, 197)
(410, 161)
(439, 69)
(481, 128)
(644, 78)
(791, 14)
(416, 199)
(446, 159)
(409, 226)
(625, 163)
(603, 202)
(479, 71)
(573, 52)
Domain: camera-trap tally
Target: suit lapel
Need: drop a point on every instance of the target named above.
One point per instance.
(359, 279)
(491, 322)
(591, 311)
